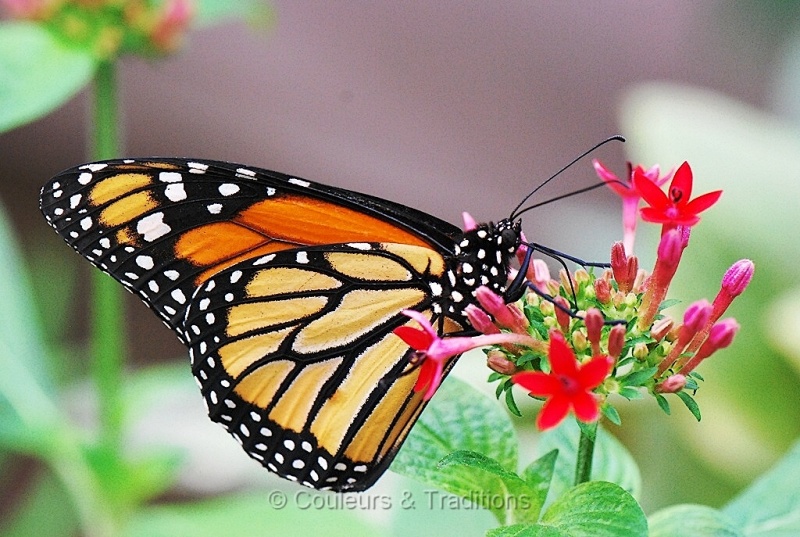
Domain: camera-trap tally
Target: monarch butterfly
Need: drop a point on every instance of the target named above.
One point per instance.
(286, 293)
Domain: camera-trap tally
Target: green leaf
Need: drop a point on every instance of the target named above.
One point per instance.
(694, 520)
(485, 482)
(525, 530)
(43, 509)
(630, 393)
(611, 414)
(53, 273)
(211, 12)
(771, 505)
(37, 73)
(667, 303)
(125, 481)
(457, 418)
(638, 378)
(511, 403)
(253, 515)
(690, 403)
(611, 462)
(663, 403)
(27, 389)
(539, 475)
(597, 509)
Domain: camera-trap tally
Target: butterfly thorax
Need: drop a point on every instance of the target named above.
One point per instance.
(482, 257)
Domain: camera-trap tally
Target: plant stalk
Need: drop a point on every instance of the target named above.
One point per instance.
(107, 320)
(583, 463)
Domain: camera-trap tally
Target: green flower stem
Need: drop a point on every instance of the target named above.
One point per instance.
(583, 464)
(105, 131)
(108, 334)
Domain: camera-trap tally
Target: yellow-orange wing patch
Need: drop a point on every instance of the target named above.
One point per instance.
(316, 387)
(162, 227)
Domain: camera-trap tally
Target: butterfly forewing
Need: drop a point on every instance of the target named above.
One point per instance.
(163, 226)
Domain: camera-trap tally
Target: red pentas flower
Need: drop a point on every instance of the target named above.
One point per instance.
(435, 350)
(626, 190)
(676, 208)
(568, 386)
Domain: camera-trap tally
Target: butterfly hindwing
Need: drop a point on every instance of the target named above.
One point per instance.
(162, 227)
(295, 356)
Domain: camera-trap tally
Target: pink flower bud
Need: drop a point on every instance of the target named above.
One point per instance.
(661, 328)
(594, 327)
(506, 315)
(561, 316)
(497, 361)
(738, 277)
(619, 264)
(669, 255)
(672, 384)
(722, 333)
(539, 274)
(616, 340)
(490, 301)
(602, 290)
(697, 315)
(670, 248)
(480, 320)
(469, 222)
(720, 336)
(173, 23)
(734, 282)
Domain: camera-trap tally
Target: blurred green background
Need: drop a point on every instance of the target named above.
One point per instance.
(445, 106)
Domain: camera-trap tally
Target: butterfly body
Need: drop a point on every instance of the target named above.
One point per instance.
(286, 293)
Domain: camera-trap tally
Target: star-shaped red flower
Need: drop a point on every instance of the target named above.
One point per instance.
(626, 190)
(676, 208)
(568, 386)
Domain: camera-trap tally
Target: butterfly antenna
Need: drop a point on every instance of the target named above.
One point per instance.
(562, 196)
(616, 137)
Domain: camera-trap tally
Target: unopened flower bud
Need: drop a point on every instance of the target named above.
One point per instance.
(566, 279)
(619, 262)
(602, 290)
(562, 316)
(480, 320)
(738, 277)
(539, 274)
(497, 361)
(720, 336)
(661, 328)
(640, 351)
(469, 222)
(697, 315)
(579, 341)
(594, 326)
(616, 340)
(670, 248)
(672, 384)
(722, 333)
(581, 276)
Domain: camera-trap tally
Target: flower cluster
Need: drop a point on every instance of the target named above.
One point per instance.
(109, 28)
(583, 337)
